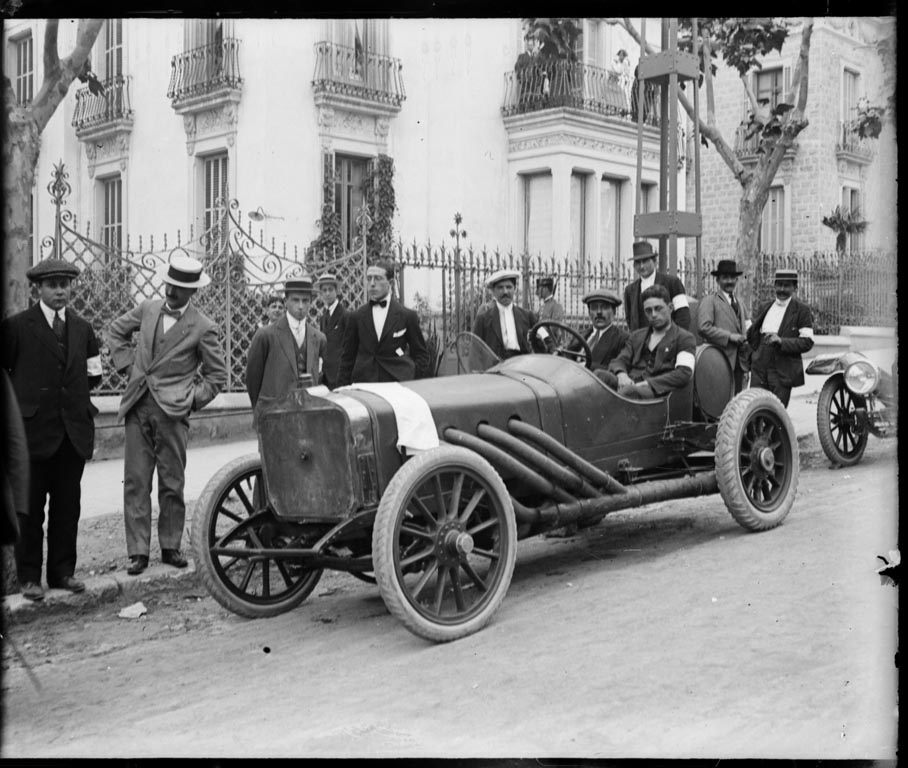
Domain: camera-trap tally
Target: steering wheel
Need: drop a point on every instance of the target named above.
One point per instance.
(583, 355)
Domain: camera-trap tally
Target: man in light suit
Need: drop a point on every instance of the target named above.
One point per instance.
(644, 259)
(176, 367)
(285, 351)
(722, 320)
(332, 324)
(383, 340)
(502, 325)
(53, 361)
(606, 340)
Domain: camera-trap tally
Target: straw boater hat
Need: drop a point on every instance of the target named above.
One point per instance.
(302, 284)
(327, 279)
(726, 267)
(787, 274)
(602, 295)
(52, 268)
(643, 250)
(502, 274)
(184, 272)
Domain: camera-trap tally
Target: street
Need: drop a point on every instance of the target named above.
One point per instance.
(664, 632)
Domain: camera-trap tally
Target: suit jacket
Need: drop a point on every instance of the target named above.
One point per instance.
(333, 326)
(52, 390)
(171, 377)
(608, 347)
(665, 376)
(488, 327)
(717, 321)
(271, 370)
(633, 306)
(788, 362)
(551, 310)
(399, 355)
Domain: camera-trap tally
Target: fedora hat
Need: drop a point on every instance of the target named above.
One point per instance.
(786, 274)
(502, 274)
(643, 250)
(603, 294)
(52, 268)
(184, 272)
(302, 284)
(726, 267)
(327, 279)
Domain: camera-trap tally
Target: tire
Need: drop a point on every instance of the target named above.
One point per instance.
(231, 511)
(757, 460)
(842, 439)
(444, 575)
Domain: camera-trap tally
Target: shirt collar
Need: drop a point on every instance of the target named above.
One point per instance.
(646, 282)
(333, 305)
(179, 311)
(783, 304)
(294, 323)
(509, 309)
(49, 313)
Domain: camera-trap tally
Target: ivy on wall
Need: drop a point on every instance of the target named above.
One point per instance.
(329, 240)
(378, 196)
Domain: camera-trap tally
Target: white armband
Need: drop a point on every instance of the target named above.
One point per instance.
(94, 365)
(685, 359)
(542, 333)
(805, 333)
(679, 301)
(747, 323)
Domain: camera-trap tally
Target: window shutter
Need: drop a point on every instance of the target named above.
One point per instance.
(786, 84)
(538, 214)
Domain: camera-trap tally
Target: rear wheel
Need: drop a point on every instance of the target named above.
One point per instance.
(842, 437)
(231, 516)
(444, 543)
(757, 459)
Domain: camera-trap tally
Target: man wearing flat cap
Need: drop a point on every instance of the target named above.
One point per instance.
(282, 353)
(605, 339)
(333, 324)
(723, 320)
(502, 325)
(644, 259)
(782, 331)
(53, 360)
(176, 367)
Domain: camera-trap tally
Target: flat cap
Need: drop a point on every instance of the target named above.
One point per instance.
(52, 268)
(602, 294)
(502, 274)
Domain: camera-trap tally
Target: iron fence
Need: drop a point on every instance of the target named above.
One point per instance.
(97, 109)
(205, 69)
(355, 72)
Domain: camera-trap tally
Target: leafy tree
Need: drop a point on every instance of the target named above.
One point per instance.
(22, 144)
(556, 36)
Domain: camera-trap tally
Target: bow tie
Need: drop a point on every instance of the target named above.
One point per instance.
(383, 303)
(165, 310)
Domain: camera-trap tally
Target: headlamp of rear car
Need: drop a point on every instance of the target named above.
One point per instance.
(862, 377)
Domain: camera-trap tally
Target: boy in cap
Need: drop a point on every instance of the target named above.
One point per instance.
(782, 331)
(502, 325)
(605, 339)
(177, 367)
(283, 352)
(722, 320)
(644, 259)
(53, 360)
(333, 324)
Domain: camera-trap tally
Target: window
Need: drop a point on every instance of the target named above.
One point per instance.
(610, 216)
(112, 218)
(25, 70)
(361, 40)
(769, 85)
(350, 175)
(214, 168)
(593, 44)
(772, 229)
(112, 51)
(851, 201)
(578, 217)
(851, 82)
(537, 214)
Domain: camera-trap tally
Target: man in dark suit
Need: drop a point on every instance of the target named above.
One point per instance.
(285, 351)
(502, 325)
(644, 259)
(606, 340)
(655, 360)
(722, 320)
(383, 340)
(782, 331)
(53, 360)
(176, 367)
(332, 324)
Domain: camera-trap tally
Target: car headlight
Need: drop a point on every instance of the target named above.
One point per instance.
(862, 377)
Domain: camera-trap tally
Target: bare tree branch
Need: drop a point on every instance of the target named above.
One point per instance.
(51, 56)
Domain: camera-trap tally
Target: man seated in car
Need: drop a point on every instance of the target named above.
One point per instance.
(604, 337)
(655, 360)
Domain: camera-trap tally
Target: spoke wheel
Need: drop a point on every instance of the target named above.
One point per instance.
(231, 516)
(444, 543)
(757, 460)
(842, 437)
(556, 330)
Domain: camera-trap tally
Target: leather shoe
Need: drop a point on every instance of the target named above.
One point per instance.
(174, 558)
(32, 590)
(137, 564)
(70, 583)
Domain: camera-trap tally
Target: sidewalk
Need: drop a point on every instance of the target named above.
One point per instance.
(102, 493)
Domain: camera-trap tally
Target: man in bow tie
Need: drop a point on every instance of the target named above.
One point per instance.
(723, 320)
(782, 331)
(177, 367)
(53, 361)
(382, 340)
(288, 353)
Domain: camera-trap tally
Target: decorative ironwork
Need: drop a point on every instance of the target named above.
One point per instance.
(340, 69)
(205, 69)
(850, 145)
(93, 110)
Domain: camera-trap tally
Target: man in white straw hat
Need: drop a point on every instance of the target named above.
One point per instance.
(177, 367)
(502, 325)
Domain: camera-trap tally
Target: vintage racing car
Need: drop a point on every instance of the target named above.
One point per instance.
(426, 487)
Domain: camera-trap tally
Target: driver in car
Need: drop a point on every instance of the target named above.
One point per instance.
(655, 360)
(604, 338)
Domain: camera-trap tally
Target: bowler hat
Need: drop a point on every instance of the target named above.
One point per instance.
(726, 267)
(301, 284)
(184, 272)
(502, 274)
(786, 274)
(327, 279)
(52, 268)
(643, 250)
(545, 282)
(603, 294)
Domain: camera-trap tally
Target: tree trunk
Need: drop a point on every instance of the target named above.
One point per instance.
(750, 216)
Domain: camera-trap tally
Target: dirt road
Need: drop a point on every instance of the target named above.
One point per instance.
(663, 632)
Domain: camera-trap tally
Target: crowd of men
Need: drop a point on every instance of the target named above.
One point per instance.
(175, 366)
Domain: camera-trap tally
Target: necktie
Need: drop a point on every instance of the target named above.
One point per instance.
(734, 304)
(165, 310)
(382, 303)
(59, 328)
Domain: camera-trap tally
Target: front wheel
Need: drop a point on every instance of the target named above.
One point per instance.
(444, 543)
(757, 459)
(842, 437)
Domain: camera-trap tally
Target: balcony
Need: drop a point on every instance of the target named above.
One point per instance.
(354, 79)
(747, 148)
(206, 76)
(100, 115)
(850, 146)
(573, 85)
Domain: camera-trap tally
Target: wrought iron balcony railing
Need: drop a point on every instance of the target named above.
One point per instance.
(747, 146)
(340, 69)
(849, 142)
(205, 69)
(94, 110)
(576, 85)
